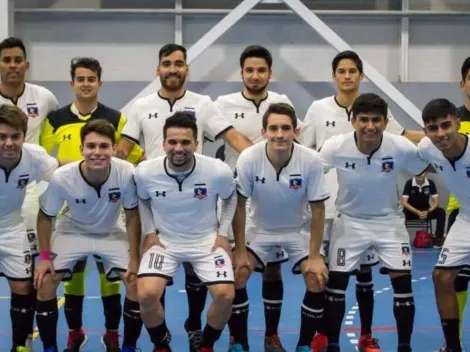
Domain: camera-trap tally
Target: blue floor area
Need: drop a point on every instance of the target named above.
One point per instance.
(427, 332)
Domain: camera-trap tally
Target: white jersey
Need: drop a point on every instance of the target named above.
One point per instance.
(279, 202)
(35, 165)
(148, 114)
(37, 102)
(247, 117)
(368, 183)
(327, 118)
(455, 174)
(185, 211)
(90, 209)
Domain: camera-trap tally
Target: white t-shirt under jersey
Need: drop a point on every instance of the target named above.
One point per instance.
(327, 118)
(148, 114)
(368, 183)
(246, 117)
(37, 102)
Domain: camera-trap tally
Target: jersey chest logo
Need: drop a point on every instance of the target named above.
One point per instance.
(32, 110)
(114, 195)
(295, 182)
(200, 190)
(387, 164)
(23, 181)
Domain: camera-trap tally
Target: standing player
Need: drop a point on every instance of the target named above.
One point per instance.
(185, 185)
(282, 180)
(448, 151)
(37, 102)
(368, 162)
(245, 110)
(21, 164)
(146, 120)
(94, 190)
(61, 134)
(326, 118)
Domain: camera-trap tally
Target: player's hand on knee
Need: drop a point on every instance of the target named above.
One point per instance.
(222, 242)
(315, 266)
(130, 275)
(152, 239)
(42, 269)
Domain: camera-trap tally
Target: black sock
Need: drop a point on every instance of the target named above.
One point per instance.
(30, 314)
(403, 308)
(197, 293)
(335, 307)
(112, 311)
(273, 292)
(238, 322)
(365, 300)
(47, 315)
(159, 337)
(73, 308)
(132, 323)
(210, 336)
(311, 316)
(20, 313)
(451, 334)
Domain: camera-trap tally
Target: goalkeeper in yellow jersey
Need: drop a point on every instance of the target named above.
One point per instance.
(461, 282)
(61, 135)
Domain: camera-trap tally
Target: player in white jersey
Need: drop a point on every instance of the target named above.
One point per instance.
(21, 164)
(94, 190)
(368, 162)
(449, 153)
(283, 181)
(145, 122)
(245, 110)
(179, 194)
(326, 118)
(37, 102)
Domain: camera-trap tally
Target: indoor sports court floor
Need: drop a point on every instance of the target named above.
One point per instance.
(427, 331)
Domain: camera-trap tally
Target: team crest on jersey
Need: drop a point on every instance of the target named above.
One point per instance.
(22, 182)
(32, 110)
(405, 249)
(219, 262)
(190, 111)
(114, 195)
(387, 165)
(468, 171)
(200, 190)
(295, 182)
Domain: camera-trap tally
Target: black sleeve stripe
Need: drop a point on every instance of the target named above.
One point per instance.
(241, 195)
(230, 195)
(131, 208)
(319, 200)
(403, 132)
(133, 140)
(46, 214)
(223, 131)
(424, 169)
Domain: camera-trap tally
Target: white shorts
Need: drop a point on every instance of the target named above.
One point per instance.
(455, 252)
(30, 211)
(369, 257)
(351, 238)
(113, 249)
(210, 267)
(15, 255)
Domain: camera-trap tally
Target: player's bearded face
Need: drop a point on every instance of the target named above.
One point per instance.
(180, 146)
(172, 71)
(279, 133)
(255, 75)
(11, 142)
(443, 132)
(347, 76)
(13, 66)
(97, 151)
(369, 127)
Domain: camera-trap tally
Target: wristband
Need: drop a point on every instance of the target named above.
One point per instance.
(45, 255)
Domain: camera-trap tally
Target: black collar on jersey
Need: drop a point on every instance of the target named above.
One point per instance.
(180, 183)
(8, 172)
(257, 105)
(348, 112)
(452, 161)
(174, 102)
(283, 166)
(96, 187)
(17, 98)
(374, 151)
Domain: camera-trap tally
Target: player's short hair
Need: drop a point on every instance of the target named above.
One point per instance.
(369, 103)
(256, 51)
(350, 55)
(89, 63)
(169, 49)
(99, 126)
(281, 109)
(181, 119)
(438, 108)
(14, 117)
(13, 42)
(465, 68)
